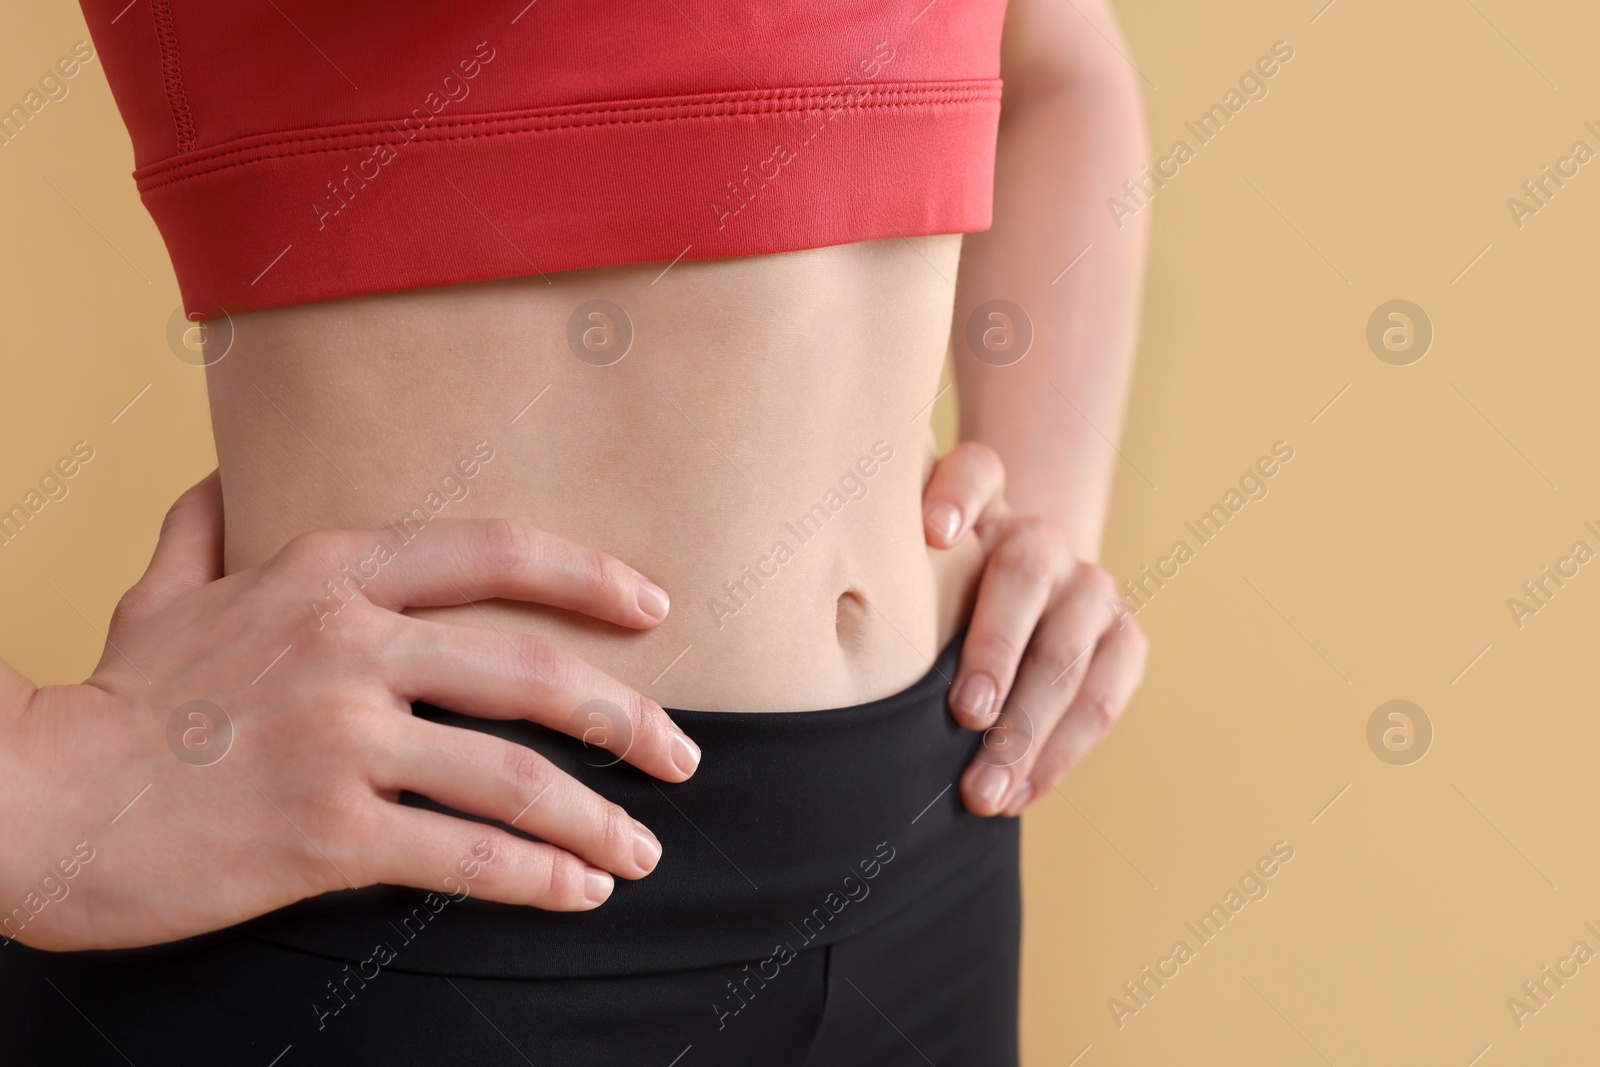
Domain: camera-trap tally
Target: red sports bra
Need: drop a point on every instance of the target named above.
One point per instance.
(292, 151)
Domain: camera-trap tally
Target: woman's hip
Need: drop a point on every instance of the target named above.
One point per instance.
(819, 873)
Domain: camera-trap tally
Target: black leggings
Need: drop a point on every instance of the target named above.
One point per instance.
(823, 899)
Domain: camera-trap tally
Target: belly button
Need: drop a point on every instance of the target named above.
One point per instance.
(850, 618)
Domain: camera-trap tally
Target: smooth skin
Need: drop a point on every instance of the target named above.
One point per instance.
(500, 617)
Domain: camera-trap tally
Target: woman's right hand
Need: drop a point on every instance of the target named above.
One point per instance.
(190, 829)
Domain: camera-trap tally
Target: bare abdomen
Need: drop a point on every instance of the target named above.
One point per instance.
(752, 434)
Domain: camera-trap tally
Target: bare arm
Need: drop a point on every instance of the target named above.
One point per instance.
(1048, 664)
(1071, 132)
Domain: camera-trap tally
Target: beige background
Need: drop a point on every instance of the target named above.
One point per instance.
(1378, 567)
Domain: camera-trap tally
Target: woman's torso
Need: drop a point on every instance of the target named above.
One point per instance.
(759, 451)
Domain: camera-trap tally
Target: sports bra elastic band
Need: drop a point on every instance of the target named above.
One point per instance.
(293, 151)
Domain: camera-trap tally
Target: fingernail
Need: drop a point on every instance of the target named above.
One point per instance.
(597, 885)
(646, 849)
(685, 754)
(992, 783)
(975, 697)
(1020, 798)
(945, 520)
(652, 599)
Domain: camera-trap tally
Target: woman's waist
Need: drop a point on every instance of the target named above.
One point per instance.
(817, 593)
(812, 586)
(752, 435)
(798, 830)
(758, 633)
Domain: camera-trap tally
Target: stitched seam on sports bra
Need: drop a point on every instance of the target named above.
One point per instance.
(571, 116)
(174, 171)
(172, 74)
(748, 101)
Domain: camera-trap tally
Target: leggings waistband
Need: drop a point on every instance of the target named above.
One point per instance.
(798, 830)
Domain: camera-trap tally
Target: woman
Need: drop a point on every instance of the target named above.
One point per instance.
(673, 281)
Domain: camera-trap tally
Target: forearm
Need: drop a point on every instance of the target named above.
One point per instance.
(1065, 146)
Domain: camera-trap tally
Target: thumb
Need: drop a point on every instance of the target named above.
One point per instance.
(188, 553)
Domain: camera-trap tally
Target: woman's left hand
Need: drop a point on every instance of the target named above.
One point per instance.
(1049, 647)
